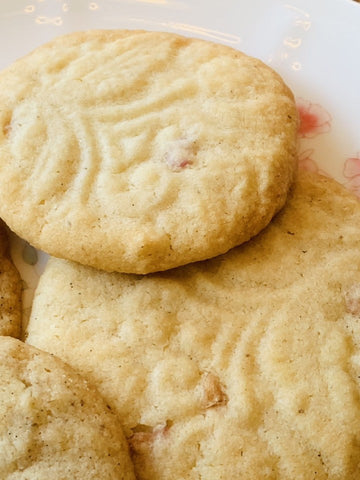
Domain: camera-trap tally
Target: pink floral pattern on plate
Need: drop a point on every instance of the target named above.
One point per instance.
(314, 119)
(306, 162)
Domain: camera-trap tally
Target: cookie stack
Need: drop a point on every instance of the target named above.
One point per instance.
(210, 298)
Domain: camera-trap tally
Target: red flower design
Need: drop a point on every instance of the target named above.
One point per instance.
(314, 119)
(306, 162)
(352, 173)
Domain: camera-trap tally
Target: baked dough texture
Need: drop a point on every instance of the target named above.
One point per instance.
(244, 366)
(10, 290)
(139, 151)
(53, 425)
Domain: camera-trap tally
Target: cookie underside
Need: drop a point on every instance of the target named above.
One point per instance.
(10, 290)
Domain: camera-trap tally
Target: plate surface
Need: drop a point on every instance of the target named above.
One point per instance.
(315, 46)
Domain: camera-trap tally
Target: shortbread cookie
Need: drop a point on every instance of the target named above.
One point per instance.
(52, 424)
(244, 366)
(138, 151)
(10, 290)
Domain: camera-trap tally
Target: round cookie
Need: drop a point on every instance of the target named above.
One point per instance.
(137, 151)
(243, 366)
(10, 290)
(52, 423)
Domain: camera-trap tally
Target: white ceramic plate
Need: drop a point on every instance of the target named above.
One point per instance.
(315, 46)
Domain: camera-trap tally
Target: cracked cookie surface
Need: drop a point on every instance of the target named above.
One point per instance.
(138, 151)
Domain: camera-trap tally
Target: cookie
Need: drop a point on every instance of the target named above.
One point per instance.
(10, 290)
(137, 151)
(243, 366)
(52, 424)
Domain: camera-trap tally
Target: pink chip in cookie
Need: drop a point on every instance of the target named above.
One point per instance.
(352, 299)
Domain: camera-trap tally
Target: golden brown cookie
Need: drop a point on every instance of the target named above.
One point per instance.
(139, 151)
(244, 366)
(10, 290)
(52, 423)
